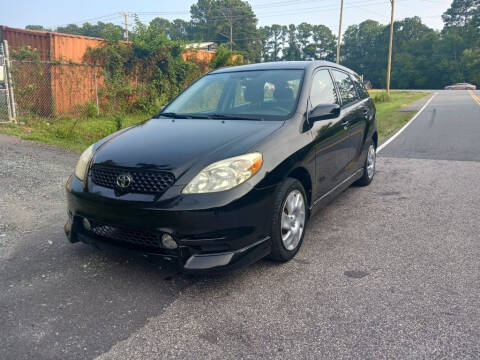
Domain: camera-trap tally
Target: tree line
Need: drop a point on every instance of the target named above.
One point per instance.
(422, 57)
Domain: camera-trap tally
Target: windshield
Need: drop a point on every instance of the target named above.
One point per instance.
(255, 95)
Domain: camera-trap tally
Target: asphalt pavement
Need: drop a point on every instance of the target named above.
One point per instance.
(387, 271)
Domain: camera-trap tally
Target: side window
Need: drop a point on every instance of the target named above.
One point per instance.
(323, 90)
(346, 87)
(362, 91)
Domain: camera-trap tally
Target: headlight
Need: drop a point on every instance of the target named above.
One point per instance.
(82, 164)
(224, 175)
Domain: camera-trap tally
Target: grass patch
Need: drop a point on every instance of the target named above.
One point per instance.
(77, 134)
(389, 116)
(74, 134)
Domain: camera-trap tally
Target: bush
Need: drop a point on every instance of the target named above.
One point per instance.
(225, 57)
(381, 97)
(144, 75)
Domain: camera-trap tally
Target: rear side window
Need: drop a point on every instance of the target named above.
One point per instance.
(323, 90)
(346, 87)
(362, 91)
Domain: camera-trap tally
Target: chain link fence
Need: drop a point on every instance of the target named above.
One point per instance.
(55, 90)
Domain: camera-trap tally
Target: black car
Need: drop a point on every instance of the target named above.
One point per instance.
(231, 170)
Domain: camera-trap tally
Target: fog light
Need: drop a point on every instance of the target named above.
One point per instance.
(168, 242)
(86, 224)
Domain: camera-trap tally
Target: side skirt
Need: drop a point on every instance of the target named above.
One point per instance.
(326, 198)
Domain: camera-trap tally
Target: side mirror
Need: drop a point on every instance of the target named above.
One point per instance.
(324, 112)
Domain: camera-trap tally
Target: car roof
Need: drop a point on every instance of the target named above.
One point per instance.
(282, 65)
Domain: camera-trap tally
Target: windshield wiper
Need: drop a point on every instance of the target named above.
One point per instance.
(170, 115)
(235, 117)
(183, 116)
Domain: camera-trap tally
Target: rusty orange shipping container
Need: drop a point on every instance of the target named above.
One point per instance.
(51, 46)
(66, 81)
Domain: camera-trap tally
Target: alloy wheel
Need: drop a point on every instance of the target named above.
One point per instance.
(293, 219)
(371, 159)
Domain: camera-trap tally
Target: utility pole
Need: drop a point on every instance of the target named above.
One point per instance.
(340, 33)
(231, 35)
(125, 22)
(389, 67)
(228, 15)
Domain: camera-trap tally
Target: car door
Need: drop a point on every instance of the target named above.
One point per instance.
(329, 136)
(367, 112)
(353, 119)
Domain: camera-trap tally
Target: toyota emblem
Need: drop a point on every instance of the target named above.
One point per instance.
(124, 181)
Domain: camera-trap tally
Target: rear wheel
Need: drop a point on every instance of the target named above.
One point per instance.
(369, 167)
(289, 220)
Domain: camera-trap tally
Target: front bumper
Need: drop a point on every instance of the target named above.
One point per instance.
(209, 240)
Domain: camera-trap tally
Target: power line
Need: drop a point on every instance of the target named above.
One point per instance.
(102, 17)
(303, 11)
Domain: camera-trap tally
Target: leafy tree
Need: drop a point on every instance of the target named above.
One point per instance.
(364, 50)
(109, 31)
(160, 25)
(273, 42)
(180, 30)
(461, 12)
(304, 33)
(145, 74)
(292, 51)
(70, 29)
(221, 20)
(225, 57)
(36, 27)
(323, 44)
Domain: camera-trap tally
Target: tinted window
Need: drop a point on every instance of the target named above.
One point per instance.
(266, 94)
(360, 87)
(346, 87)
(323, 90)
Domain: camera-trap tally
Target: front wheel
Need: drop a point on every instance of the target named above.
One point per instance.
(369, 167)
(289, 220)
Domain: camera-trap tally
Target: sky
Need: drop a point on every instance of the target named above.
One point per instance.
(53, 13)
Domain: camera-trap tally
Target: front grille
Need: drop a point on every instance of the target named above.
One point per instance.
(143, 181)
(126, 235)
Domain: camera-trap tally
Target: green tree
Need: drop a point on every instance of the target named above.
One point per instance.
(70, 29)
(180, 30)
(273, 42)
(364, 50)
(323, 45)
(461, 12)
(304, 34)
(219, 20)
(292, 50)
(36, 27)
(99, 30)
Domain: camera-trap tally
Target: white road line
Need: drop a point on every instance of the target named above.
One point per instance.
(393, 137)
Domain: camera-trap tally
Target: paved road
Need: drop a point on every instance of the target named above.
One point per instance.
(388, 271)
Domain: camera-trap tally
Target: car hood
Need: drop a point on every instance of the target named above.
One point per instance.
(177, 145)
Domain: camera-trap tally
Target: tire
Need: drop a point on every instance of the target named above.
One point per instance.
(285, 247)
(368, 173)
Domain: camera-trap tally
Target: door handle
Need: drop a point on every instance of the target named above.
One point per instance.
(366, 112)
(345, 124)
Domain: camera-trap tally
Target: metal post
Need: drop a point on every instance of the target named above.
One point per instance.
(340, 33)
(5, 90)
(96, 87)
(9, 82)
(389, 67)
